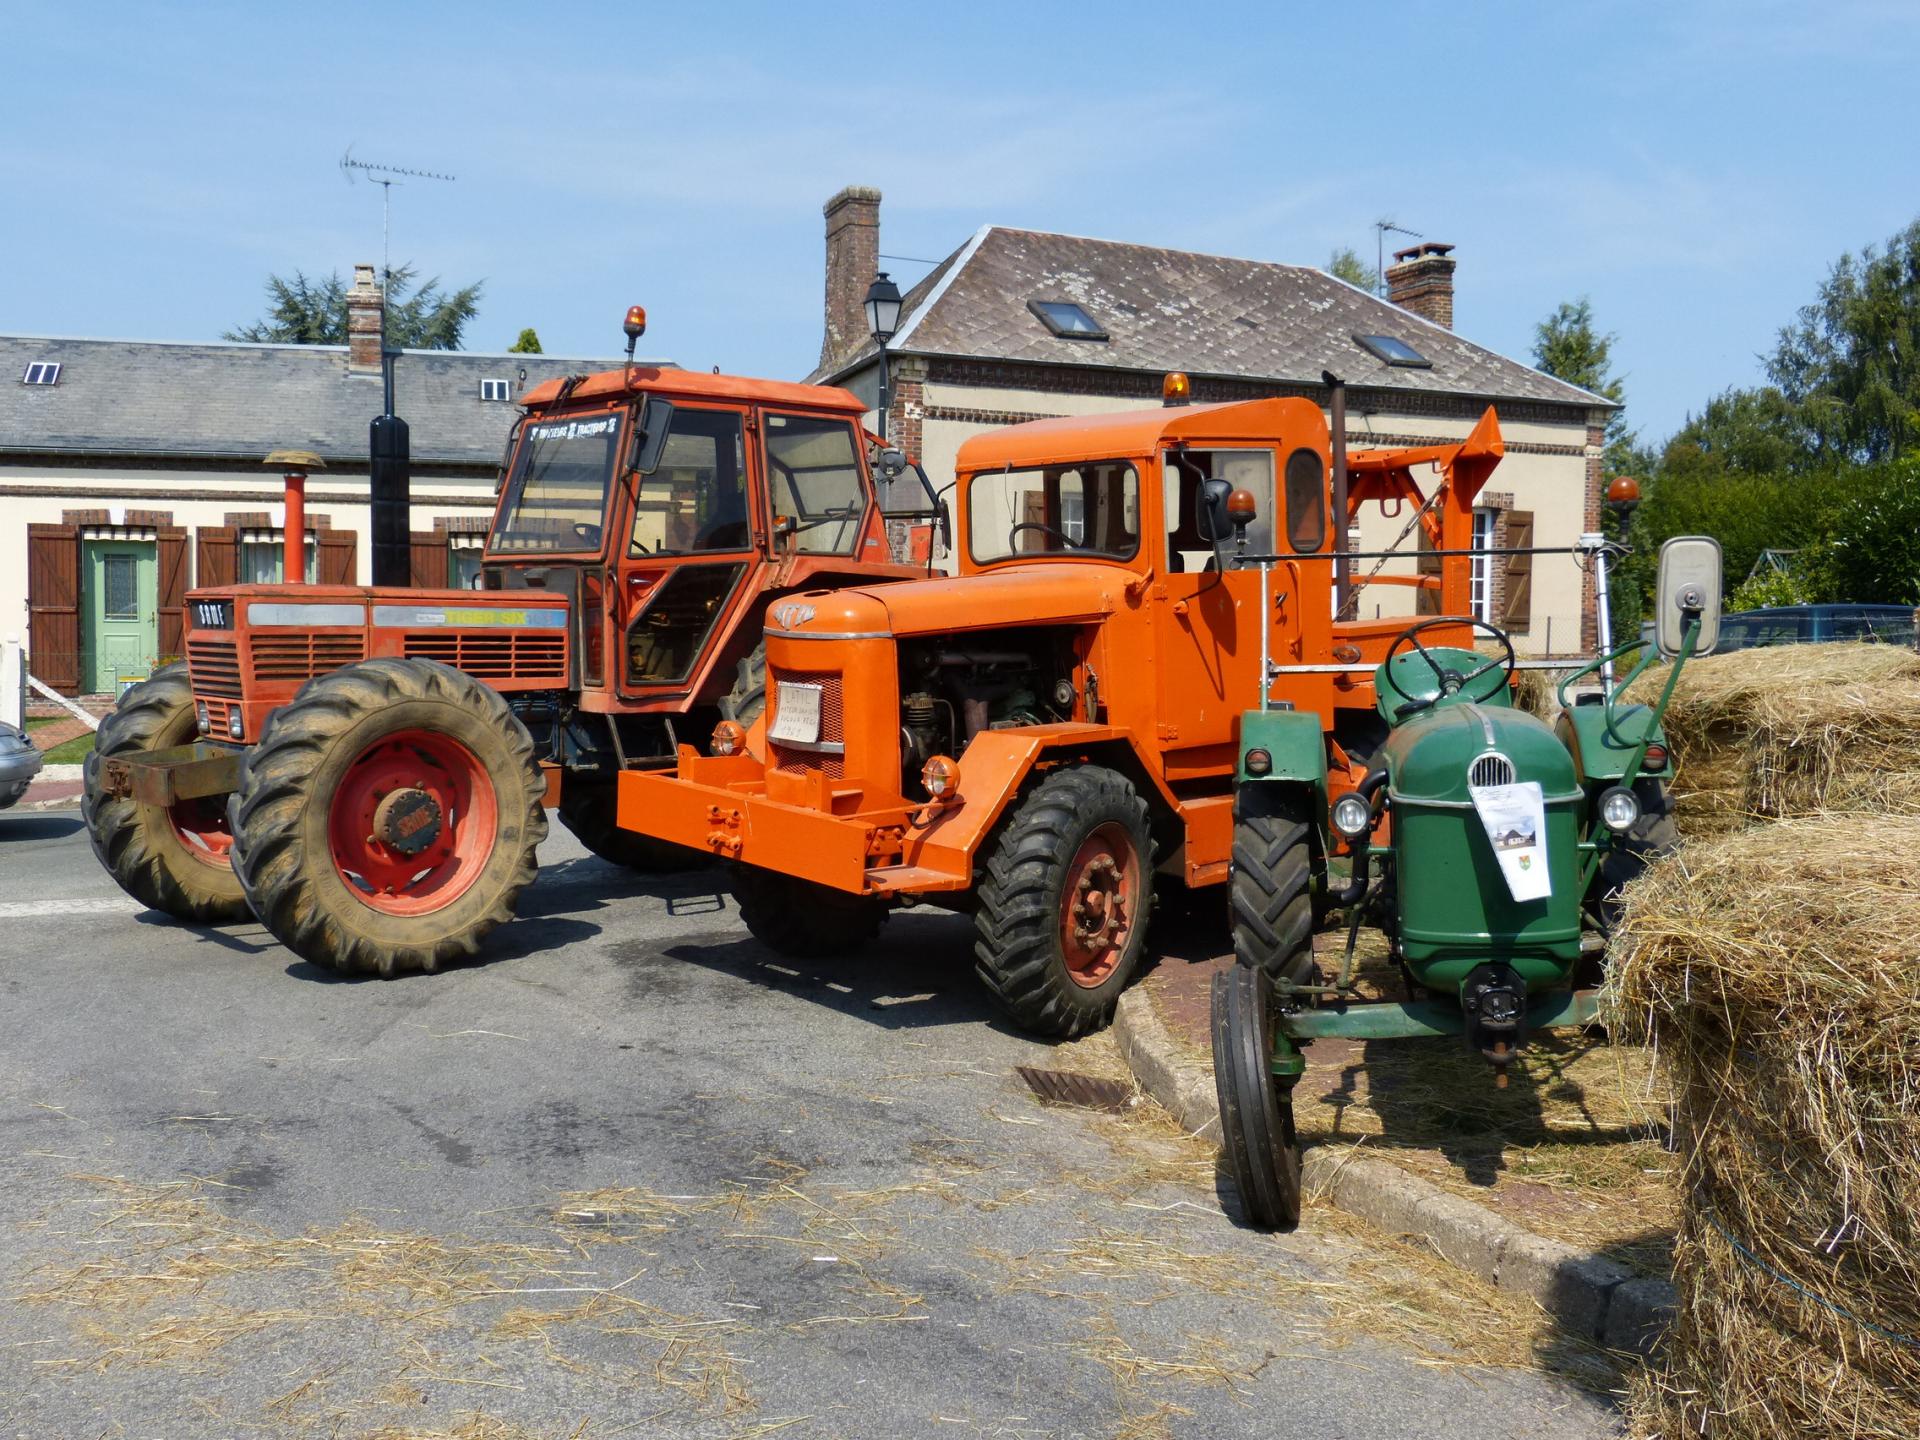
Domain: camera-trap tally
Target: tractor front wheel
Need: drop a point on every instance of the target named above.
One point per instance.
(800, 919)
(587, 809)
(388, 817)
(1063, 905)
(171, 860)
(1272, 899)
(1256, 1109)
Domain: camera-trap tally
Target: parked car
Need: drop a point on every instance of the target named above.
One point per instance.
(1806, 624)
(19, 763)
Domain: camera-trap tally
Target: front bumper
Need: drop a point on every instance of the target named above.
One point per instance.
(166, 777)
(798, 825)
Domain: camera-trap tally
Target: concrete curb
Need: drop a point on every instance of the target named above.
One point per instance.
(1586, 1293)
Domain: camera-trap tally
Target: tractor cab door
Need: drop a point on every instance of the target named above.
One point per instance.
(1207, 621)
(691, 542)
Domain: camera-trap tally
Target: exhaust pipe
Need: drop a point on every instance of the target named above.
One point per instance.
(294, 465)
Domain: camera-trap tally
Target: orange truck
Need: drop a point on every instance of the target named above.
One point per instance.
(1040, 737)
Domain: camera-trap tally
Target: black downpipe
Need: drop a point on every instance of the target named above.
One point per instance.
(1356, 887)
(390, 465)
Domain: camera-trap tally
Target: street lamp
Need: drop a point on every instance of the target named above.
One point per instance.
(883, 319)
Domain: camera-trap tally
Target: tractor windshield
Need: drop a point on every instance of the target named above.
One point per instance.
(556, 493)
(1088, 508)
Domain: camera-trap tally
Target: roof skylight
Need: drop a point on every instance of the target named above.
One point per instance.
(1067, 320)
(1393, 350)
(42, 372)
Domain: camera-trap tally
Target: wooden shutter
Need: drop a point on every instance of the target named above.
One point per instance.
(1427, 564)
(429, 565)
(173, 592)
(334, 560)
(53, 605)
(216, 559)
(1517, 613)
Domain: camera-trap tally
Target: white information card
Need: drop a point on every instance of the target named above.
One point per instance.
(1516, 821)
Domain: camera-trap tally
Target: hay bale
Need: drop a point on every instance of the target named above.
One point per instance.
(1791, 730)
(1776, 971)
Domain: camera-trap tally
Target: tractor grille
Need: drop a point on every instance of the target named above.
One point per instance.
(796, 759)
(1490, 769)
(521, 656)
(297, 656)
(214, 667)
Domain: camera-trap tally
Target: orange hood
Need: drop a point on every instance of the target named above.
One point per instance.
(1049, 592)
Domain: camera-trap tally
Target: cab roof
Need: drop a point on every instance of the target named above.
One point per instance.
(1135, 432)
(696, 384)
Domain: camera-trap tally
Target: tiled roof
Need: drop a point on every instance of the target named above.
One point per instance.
(1178, 310)
(139, 398)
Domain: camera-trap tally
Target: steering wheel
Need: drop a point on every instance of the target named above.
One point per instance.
(588, 532)
(1044, 528)
(1450, 682)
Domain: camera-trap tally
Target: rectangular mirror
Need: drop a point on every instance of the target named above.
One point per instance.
(650, 439)
(1689, 585)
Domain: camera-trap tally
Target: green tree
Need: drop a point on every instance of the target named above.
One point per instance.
(527, 344)
(314, 312)
(1848, 367)
(1346, 264)
(1567, 346)
(1871, 549)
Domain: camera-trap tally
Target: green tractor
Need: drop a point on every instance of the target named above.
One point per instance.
(1487, 844)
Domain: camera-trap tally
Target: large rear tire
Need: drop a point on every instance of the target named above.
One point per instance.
(171, 860)
(1064, 903)
(387, 820)
(800, 919)
(1256, 1109)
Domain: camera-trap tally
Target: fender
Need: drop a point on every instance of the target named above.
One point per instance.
(1598, 756)
(1298, 749)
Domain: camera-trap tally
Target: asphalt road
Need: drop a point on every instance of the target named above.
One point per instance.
(633, 1175)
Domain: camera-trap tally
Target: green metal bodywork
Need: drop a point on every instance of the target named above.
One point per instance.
(1455, 910)
(1400, 1019)
(1296, 743)
(1603, 745)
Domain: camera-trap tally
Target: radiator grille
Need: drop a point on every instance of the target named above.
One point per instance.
(298, 656)
(796, 759)
(214, 667)
(522, 656)
(1490, 769)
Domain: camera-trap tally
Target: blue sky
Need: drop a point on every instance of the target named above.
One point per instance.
(1692, 167)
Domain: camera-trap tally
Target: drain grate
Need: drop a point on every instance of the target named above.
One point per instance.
(1088, 1092)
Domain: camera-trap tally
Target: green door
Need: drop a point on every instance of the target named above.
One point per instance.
(120, 585)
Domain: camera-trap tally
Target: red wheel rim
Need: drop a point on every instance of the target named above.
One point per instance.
(437, 775)
(201, 827)
(1099, 904)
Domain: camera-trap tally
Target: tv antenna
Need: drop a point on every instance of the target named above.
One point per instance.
(386, 177)
(1380, 229)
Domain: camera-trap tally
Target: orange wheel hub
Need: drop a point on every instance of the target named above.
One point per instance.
(1099, 904)
(412, 822)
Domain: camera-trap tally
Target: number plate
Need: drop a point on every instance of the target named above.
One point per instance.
(796, 716)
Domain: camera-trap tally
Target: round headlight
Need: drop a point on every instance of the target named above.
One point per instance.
(729, 738)
(939, 775)
(200, 715)
(1352, 816)
(1619, 808)
(1259, 762)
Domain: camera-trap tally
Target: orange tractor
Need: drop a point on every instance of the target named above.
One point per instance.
(1039, 737)
(365, 769)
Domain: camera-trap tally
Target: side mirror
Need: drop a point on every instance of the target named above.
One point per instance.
(656, 419)
(1214, 519)
(1688, 590)
(945, 522)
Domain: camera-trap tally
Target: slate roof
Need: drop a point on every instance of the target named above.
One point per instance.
(236, 401)
(1178, 310)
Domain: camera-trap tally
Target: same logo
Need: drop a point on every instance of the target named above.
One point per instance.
(792, 614)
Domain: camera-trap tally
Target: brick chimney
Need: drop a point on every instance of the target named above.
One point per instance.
(853, 255)
(1421, 280)
(363, 323)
